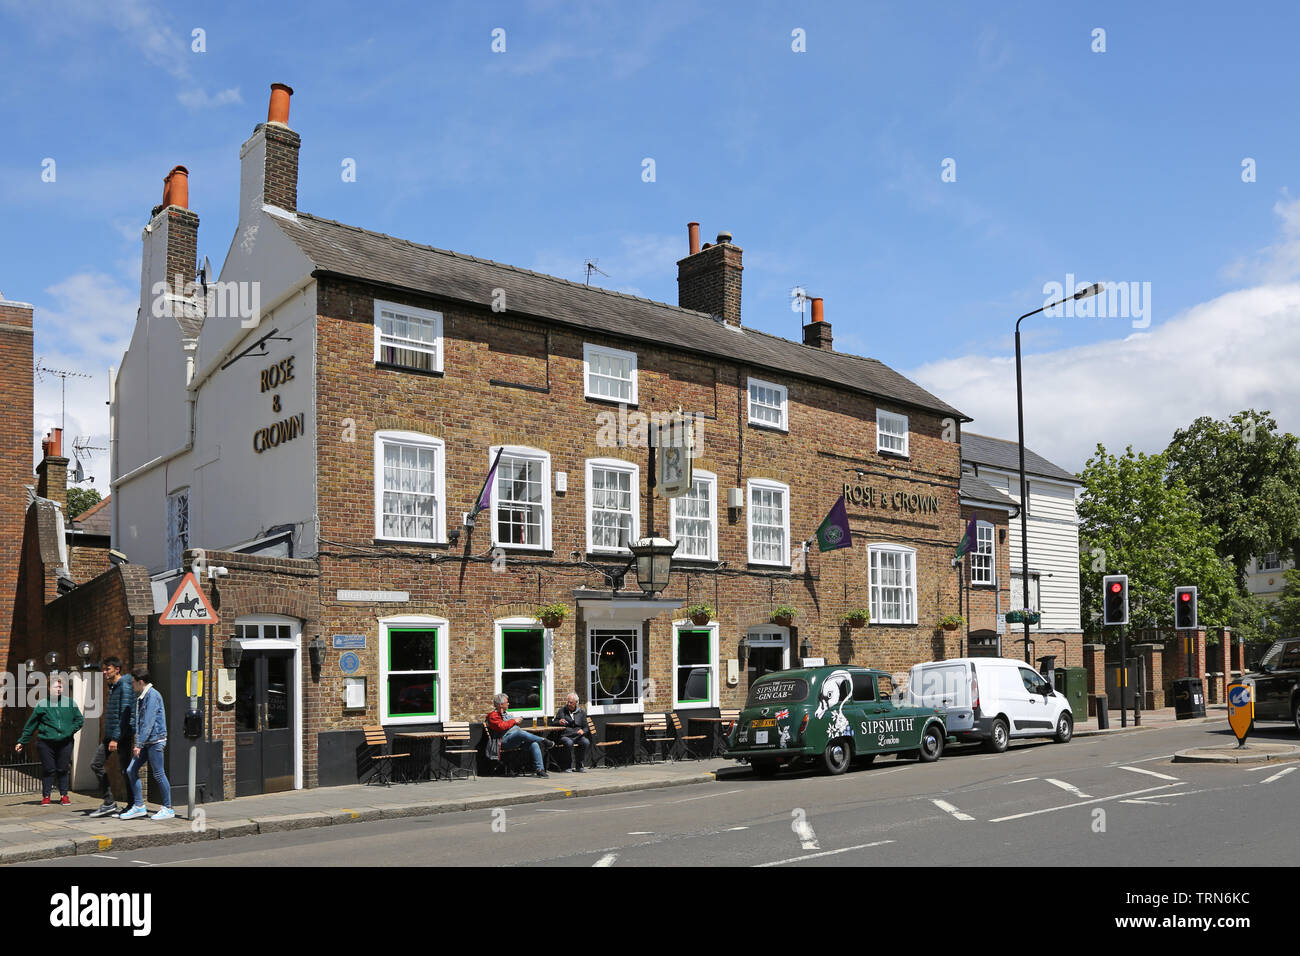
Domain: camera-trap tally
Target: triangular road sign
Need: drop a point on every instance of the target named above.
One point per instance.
(188, 605)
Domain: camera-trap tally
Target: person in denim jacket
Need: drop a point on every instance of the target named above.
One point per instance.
(150, 742)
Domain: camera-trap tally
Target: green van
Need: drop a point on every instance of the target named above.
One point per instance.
(829, 716)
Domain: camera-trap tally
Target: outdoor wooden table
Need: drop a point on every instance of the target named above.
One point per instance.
(638, 749)
(717, 723)
(425, 739)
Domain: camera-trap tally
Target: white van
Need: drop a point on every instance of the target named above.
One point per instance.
(991, 699)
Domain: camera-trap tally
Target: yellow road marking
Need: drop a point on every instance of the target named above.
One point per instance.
(104, 842)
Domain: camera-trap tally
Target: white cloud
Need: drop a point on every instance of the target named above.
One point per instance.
(199, 99)
(1236, 351)
(1279, 262)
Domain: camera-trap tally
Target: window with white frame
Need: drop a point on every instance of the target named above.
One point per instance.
(613, 489)
(614, 669)
(981, 556)
(409, 500)
(408, 337)
(768, 404)
(523, 660)
(693, 518)
(695, 666)
(769, 522)
(1271, 562)
(893, 584)
(413, 670)
(891, 432)
(521, 499)
(178, 526)
(1017, 595)
(609, 374)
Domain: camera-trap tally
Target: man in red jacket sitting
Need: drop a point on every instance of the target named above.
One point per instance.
(502, 725)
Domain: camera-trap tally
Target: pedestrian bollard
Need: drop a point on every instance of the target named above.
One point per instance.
(1103, 715)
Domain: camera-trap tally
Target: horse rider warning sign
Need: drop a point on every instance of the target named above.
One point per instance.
(188, 605)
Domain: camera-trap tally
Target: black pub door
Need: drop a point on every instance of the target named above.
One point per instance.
(264, 723)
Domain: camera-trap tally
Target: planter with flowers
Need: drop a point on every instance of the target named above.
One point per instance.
(700, 614)
(858, 617)
(552, 615)
(783, 615)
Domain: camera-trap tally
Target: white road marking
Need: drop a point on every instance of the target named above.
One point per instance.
(707, 796)
(635, 806)
(99, 856)
(881, 773)
(606, 860)
(1279, 774)
(734, 829)
(813, 856)
(550, 810)
(1149, 773)
(1070, 806)
(1147, 803)
(947, 807)
(640, 832)
(1068, 787)
(808, 839)
(1025, 780)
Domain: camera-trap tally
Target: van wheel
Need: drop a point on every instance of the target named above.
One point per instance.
(932, 739)
(1295, 713)
(766, 769)
(997, 742)
(837, 756)
(1064, 728)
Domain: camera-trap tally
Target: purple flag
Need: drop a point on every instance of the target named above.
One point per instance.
(833, 532)
(485, 496)
(967, 540)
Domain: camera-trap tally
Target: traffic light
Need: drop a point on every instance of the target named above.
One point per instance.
(1185, 609)
(1114, 599)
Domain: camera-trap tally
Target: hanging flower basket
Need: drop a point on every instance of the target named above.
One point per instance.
(1022, 617)
(552, 615)
(950, 622)
(783, 615)
(858, 617)
(700, 614)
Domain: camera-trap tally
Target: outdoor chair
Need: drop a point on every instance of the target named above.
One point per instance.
(457, 751)
(658, 741)
(381, 756)
(686, 746)
(600, 750)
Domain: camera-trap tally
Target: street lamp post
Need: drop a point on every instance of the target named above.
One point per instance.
(1020, 420)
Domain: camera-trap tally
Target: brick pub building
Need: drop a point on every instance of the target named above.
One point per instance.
(325, 446)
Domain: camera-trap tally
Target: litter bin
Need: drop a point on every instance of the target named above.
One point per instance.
(1189, 698)
(1072, 683)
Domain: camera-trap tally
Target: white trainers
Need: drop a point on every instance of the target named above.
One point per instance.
(166, 813)
(133, 814)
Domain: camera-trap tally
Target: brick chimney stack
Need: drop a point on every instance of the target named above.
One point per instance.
(708, 279)
(52, 471)
(171, 249)
(817, 333)
(269, 160)
(16, 363)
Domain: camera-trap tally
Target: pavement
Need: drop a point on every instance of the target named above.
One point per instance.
(30, 832)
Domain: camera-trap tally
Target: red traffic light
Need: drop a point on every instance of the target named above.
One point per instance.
(1115, 587)
(1185, 596)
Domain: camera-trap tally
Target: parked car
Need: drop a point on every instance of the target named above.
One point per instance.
(827, 717)
(991, 700)
(1277, 682)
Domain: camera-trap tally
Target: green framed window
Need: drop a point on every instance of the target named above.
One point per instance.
(696, 667)
(412, 673)
(521, 659)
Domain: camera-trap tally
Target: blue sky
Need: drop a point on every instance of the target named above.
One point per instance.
(1123, 165)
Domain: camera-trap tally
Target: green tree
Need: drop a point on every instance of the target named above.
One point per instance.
(1132, 521)
(1285, 612)
(1245, 478)
(80, 499)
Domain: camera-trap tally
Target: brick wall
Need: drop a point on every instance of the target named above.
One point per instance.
(16, 428)
(280, 187)
(831, 435)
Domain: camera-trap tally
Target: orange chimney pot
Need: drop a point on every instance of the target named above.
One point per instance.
(176, 188)
(817, 315)
(278, 111)
(693, 231)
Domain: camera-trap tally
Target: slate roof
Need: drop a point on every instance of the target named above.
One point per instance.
(342, 250)
(976, 489)
(97, 519)
(999, 453)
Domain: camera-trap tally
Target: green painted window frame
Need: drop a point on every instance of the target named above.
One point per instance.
(710, 662)
(540, 631)
(435, 673)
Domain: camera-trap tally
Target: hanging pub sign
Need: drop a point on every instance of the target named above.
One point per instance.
(675, 442)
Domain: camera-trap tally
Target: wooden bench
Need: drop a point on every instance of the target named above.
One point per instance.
(684, 746)
(377, 741)
(457, 750)
(729, 718)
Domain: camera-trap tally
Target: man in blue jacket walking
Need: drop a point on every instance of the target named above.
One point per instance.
(150, 741)
(116, 734)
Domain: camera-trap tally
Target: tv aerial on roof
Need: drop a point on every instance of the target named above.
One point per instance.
(591, 267)
(79, 448)
(42, 370)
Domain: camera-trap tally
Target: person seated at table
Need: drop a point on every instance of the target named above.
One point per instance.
(574, 721)
(504, 727)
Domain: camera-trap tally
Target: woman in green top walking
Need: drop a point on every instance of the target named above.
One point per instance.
(54, 722)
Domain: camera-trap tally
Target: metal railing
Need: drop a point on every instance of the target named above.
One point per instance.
(19, 777)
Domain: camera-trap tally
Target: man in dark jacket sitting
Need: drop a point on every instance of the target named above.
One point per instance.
(574, 721)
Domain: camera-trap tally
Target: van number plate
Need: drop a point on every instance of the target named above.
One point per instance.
(770, 722)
